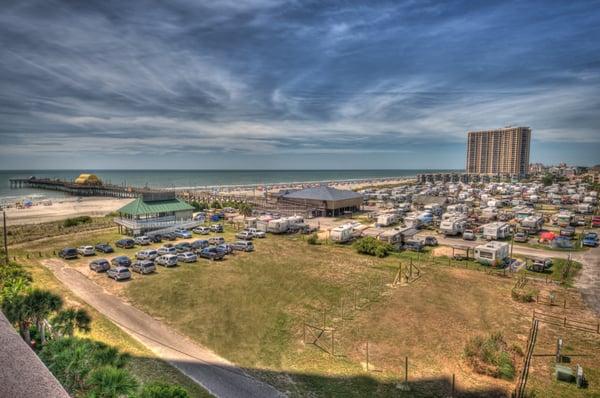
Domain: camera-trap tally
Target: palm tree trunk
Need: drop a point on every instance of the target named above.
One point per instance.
(42, 331)
(24, 329)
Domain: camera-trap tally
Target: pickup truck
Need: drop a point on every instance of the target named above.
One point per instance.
(212, 253)
(590, 239)
(256, 233)
(244, 235)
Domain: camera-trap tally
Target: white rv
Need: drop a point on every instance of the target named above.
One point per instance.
(492, 252)
(496, 230)
(341, 234)
(585, 208)
(533, 223)
(453, 226)
(387, 219)
(489, 213)
(278, 226)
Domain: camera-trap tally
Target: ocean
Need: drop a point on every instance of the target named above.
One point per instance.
(191, 178)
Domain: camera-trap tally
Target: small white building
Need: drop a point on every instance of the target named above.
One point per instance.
(492, 253)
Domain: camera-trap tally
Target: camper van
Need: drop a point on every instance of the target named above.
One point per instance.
(453, 226)
(278, 226)
(564, 219)
(496, 230)
(533, 223)
(387, 219)
(342, 234)
(492, 253)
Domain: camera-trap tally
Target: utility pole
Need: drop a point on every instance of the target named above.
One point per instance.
(5, 236)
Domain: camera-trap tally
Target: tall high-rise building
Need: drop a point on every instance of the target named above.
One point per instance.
(502, 151)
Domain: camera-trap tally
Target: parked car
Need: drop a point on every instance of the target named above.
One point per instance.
(567, 231)
(169, 236)
(212, 253)
(590, 239)
(166, 250)
(187, 257)
(119, 273)
(216, 228)
(256, 233)
(125, 243)
(100, 265)
(182, 233)
(183, 247)
(413, 245)
(68, 253)
(521, 237)
(562, 242)
(201, 230)
(225, 248)
(243, 245)
(216, 240)
(468, 234)
(149, 254)
(430, 241)
(86, 250)
(104, 248)
(121, 261)
(244, 235)
(142, 240)
(157, 238)
(200, 244)
(143, 267)
(167, 260)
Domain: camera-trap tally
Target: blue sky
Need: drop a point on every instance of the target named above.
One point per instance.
(293, 84)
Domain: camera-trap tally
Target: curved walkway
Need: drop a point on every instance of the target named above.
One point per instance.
(217, 375)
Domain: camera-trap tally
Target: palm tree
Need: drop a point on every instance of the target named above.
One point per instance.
(18, 313)
(42, 304)
(109, 382)
(67, 321)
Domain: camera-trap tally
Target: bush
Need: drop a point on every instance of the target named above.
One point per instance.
(75, 221)
(313, 239)
(109, 382)
(199, 206)
(491, 356)
(163, 390)
(372, 247)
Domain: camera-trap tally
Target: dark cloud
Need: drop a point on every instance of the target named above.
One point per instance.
(266, 77)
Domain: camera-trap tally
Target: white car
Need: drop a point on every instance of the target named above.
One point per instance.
(187, 257)
(201, 230)
(167, 260)
(166, 250)
(149, 254)
(256, 233)
(86, 250)
(142, 240)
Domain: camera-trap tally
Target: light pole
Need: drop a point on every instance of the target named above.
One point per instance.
(5, 236)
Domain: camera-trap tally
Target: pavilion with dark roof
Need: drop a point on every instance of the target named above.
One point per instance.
(327, 201)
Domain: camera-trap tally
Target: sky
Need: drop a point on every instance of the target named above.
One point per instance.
(272, 84)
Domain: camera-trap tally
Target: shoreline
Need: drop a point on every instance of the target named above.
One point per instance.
(45, 209)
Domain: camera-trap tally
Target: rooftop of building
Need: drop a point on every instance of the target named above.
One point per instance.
(324, 193)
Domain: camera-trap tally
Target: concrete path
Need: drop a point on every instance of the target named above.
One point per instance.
(217, 375)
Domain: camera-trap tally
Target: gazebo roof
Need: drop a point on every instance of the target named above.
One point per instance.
(140, 207)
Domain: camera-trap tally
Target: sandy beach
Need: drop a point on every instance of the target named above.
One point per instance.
(63, 208)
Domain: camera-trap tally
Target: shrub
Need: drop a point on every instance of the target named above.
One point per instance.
(313, 239)
(163, 390)
(372, 247)
(109, 382)
(75, 221)
(491, 356)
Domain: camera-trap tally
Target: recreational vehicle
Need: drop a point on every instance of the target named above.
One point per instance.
(492, 253)
(533, 223)
(278, 226)
(341, 234)
(387, 219)
(564, 219)
(496, 230)
(453, 226)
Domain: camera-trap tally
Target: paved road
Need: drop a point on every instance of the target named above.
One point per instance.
(217, 375)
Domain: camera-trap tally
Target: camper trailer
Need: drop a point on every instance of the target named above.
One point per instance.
(342, 234)
(489, 213)
(533, 223)
(492, 253)
(278, 226)
(585, 208)
(564, 219)
(412, 221)
(434, 209)
(453, 226)
(387, 219)
(496, 230)
(391, 236)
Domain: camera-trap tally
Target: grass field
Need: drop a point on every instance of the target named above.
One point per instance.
(251, 308)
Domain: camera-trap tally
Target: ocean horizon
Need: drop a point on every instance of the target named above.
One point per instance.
(177, 178)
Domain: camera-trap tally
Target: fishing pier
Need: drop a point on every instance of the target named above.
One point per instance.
(78, 189)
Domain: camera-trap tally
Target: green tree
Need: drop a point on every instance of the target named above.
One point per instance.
(111, 382)
(67, 321)
(163, 390)
(19, 314)
(548, 180)
(215, 204)
(245, 209)
(41, 304)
